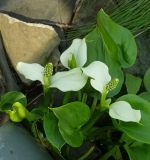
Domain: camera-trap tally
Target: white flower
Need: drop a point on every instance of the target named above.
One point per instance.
(76, 78)
(31, 71)
(100, 77)
(97, 71)
(78, 49)
(72, 80)
(99, 74)
(123, 111)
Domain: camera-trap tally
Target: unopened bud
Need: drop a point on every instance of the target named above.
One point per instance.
(18, 113)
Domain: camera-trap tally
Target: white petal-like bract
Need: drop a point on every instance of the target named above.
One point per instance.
(123, 111)
(78, 48)
(99, 74)
(72, 80)
(31, 71)
(81, 56)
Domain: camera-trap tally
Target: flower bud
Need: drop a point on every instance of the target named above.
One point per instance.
(18, 113)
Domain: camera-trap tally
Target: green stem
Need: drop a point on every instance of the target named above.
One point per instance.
(117, 155)
(84, 98)
(94, 105)
(114, 121)
(66, 97)
(91, 122)
(45, 89)
(30, 116)
(46, 98)
(127, 150)
(79, 96)
(85, 156)
(108, 154)
(103, 98)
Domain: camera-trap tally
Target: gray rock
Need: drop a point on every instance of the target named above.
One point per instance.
(17, 144)
(54, 10)
(7, 80)
(2, 84)
(27, 42)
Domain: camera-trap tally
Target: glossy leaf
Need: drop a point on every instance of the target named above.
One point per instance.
(147, 80)
(71, 117)
(97, 52)
(138, 151)
(137, 131)
(8, 99)
(132, 83)
(114, 36)
(145, 95)
(113, 45)
(52, 132)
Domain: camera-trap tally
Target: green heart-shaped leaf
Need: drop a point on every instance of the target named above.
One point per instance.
(71, 117)
(8, 99)
(97, 51)
(52, 132)
(139, 132)
(132, 83)
(145, 95)
(138, 151)
(114, 36)
(113, 45)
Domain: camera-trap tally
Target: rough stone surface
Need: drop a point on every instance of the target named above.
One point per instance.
(8, 82)
(2, 86)
(27, 42)
(87, 10)
(17, 144)
(54, 10)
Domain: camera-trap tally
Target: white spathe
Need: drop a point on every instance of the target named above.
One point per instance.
(72, 80)
(97, 71)
(78, 48)
(33, 71)
(123, 111)
(99, 74)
